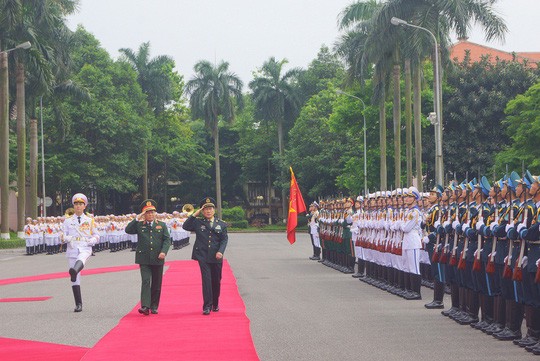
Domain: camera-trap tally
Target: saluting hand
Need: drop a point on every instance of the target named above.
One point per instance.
(140, 217)
(197, 212)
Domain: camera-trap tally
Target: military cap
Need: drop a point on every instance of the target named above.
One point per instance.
(484, 185)
(207, 202)
(528, 179)
(500, 183)
(513, 180)
(148, 205)
(472, 184)
(412, 191)
(438, 189)
(79, 197)
(315, 204)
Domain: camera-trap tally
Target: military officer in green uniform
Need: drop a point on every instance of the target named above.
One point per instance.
(210, 243)
(152, 246)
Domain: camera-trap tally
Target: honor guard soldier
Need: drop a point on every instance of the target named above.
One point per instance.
(152, 246)
(313, 225)
(433, 238)
(80, 235)
(411, 228)
(208, 249)
(531, 274)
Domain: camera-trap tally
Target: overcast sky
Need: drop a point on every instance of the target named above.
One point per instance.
(247, 32)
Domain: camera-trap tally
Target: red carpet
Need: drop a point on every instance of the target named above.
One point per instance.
(21, 350)
(180, 331)
(51, 276)
(25, 299)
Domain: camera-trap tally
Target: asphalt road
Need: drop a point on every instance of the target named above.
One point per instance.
(299, 309)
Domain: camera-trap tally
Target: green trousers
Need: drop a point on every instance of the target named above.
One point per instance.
(151, 276)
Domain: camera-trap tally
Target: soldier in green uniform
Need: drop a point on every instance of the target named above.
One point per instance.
(152, 246)
(208, 249)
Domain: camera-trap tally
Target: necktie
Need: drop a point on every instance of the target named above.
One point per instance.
(79, 219)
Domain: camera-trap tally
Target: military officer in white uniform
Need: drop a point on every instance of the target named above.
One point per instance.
(80, 234)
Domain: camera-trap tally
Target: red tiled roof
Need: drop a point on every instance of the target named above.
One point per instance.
(476, 51)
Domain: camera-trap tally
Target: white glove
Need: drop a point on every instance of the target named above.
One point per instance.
(479, 225)
(524, 261)
(454, 224)
(446, 223)
(505, 259)
(425, 240)
(493, 225)
(521, 226)
(465, 227)
(437, 224)
(538, 262)
(508, 226)
(475, 253)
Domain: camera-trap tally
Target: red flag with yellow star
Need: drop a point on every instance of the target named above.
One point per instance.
(296, 206)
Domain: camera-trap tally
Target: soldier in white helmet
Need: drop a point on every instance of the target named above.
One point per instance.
(80, 234)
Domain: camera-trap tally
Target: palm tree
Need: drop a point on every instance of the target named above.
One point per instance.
(276, 99)
(37, 21)
(154, 82)
(213, 92)
(363, 45)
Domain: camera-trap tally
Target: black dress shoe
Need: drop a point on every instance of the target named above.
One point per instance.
(154, 311)
(78, 308)
(526, 341)
(434, 305)
(314, 258)
(507, 335)
(144, 311)
(215, 309)
(206, 311)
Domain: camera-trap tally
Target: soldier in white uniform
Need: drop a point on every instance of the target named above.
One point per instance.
(80, 234)
(313, 219)
(412, 231)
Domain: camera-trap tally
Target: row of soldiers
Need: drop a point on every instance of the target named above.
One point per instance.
(479, 240)
(44, 234)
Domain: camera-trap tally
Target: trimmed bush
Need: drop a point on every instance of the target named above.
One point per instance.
(239, 224)
(234, 214)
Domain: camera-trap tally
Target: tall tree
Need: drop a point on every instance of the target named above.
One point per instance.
(154, 78)
(213, 91)
(36, 21)
(276, 98)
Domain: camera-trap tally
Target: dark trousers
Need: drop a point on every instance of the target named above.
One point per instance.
(211, 283)
(316, 250)
(151, 276)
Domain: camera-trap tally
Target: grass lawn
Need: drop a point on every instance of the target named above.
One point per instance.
(13, 242)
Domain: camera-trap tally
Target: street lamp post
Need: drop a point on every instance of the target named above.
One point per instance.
(437, 104)
(4, 139)
(339, 91)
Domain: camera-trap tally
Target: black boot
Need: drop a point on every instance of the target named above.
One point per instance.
(77, 267)
(78, 298)
(454, 297)
(472, 308)
(438, 294)
(499, 316)
(514, 317)
(531, 338)
(486, 312)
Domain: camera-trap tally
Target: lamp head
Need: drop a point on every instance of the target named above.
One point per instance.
(397, 21)
(25, 45)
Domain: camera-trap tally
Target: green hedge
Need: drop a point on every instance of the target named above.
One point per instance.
(12, 243)
(239, 224)
(234, 214)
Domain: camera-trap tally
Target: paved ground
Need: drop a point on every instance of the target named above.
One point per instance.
(299, 309)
